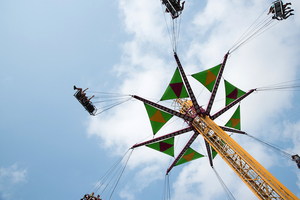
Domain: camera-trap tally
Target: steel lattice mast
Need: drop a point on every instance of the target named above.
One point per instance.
(262, 183)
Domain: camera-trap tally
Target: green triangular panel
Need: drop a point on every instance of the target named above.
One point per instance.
(189, 155)
(176, 77)
(165, 146)
(176, 88)
(157, 117)
(235, 120)
(208, 77)
(232, 92)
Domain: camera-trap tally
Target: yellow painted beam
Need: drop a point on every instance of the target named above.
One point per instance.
(262, 183)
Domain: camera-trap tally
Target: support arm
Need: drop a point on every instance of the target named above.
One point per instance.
(168, 110)
(217, 83)
(170, 135)
(208, 148)
(231, 105)
(188, 87)
(232, 130)
(183, 151)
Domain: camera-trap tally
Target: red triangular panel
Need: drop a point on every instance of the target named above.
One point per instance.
(177, 88)
(164, 146)
(233, 94)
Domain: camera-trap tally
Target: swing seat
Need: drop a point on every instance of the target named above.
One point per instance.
(173, 7)
(279, 11)
(87, 105)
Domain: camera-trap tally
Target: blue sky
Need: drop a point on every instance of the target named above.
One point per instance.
(51, 148)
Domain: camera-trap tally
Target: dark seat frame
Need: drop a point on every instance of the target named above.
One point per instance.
(92, 110)
(172, 7)
(279, 11)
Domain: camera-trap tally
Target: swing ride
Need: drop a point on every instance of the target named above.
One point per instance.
(173, 7)
(200, 120)
(87, 104)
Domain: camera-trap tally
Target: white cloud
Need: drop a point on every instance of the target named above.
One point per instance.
(198, 181)
(146, 70)
(298, 181)
(291, 132)
(146, 174)
(9, 178)
(126, 194)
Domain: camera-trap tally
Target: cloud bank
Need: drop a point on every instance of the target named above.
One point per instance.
(147, 66)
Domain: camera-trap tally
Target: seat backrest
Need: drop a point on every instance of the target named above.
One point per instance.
(278, 9)
(78, 95)
(173, 7)
(90, 108)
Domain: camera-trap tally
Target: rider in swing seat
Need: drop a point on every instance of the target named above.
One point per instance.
(296, 158)
(173, 8)
(281, 11)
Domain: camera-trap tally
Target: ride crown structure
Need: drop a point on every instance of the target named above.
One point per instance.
(262, 183)
(200, 121)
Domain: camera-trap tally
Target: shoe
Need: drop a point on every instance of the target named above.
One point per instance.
(74, 87)
(291, 13)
